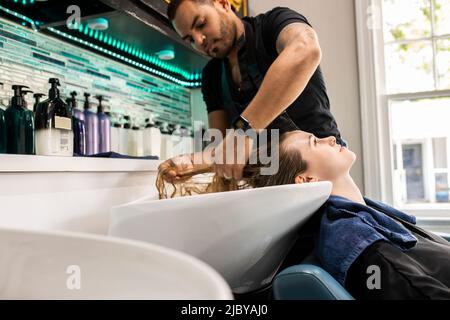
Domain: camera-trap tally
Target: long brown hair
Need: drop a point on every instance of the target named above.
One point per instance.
(291, 164)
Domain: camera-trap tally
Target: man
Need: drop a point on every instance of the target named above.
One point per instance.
(264, 72)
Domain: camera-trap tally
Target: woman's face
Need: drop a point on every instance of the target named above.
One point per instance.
(325, 159)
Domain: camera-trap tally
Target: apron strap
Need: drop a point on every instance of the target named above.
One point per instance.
(283, 122)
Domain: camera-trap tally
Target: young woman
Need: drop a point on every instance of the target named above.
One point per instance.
(373, 250)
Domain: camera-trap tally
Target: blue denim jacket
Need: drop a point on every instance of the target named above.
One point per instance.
(347, 228)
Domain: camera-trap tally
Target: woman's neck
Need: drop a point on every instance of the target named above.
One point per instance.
(344, 186)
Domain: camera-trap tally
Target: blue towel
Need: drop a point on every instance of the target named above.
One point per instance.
(347, 228)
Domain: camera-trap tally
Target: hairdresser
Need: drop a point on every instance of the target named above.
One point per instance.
(264, 74)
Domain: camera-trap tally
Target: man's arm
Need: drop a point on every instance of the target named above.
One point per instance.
(299, 57)
(218, 120)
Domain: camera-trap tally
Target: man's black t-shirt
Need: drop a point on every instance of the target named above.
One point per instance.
(310, 111)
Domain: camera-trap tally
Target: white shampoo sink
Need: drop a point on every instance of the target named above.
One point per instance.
(244, 235)
(62, 265)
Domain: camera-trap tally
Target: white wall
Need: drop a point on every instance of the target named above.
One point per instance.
(334, 22)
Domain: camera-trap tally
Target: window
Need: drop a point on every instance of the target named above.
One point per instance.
(416, 44)
(407, 44)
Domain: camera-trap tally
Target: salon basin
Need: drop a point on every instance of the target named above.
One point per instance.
(62, 265)
(244, 235)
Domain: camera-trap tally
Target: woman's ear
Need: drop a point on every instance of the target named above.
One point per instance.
(305, 179)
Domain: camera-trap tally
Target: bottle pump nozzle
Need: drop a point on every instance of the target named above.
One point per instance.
(100, 106)
(37, 98)
(17, 99)
(86, 102)
(54, 91)
(72, 102)
(25, 92)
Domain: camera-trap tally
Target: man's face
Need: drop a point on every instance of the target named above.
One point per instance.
(207, 27)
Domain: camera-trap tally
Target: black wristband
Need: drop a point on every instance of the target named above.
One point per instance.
(241, 123)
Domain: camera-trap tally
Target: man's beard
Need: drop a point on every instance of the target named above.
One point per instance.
(223, 37)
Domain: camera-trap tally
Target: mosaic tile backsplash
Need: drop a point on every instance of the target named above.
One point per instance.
(30, 58)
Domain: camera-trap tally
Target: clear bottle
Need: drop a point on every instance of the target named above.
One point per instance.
(19, 124)
(152, 139)
(79, 126)
(115, 137)
(166, 141)
(91, 123)
(138, 141)
(125, 134)
(177, 141)
(54, 135)
(131, 148)
(104, 128)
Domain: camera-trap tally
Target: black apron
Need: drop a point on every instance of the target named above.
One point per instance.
(283, 122)
(422, 272)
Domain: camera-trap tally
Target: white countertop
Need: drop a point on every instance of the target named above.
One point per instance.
(28, 163)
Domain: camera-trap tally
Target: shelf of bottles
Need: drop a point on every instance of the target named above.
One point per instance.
(58, 127)
(60, 100)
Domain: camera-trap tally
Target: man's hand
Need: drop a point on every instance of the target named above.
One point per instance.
(230, 161)
(175, 167)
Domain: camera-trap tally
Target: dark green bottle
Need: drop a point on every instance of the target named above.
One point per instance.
(37, 100)
(2, 128)
(19, 124)
(29, 126)
(2, 131)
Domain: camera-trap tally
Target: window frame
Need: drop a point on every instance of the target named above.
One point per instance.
(378, 158)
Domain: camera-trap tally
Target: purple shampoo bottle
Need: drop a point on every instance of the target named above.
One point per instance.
(104, 128)
(91, 124)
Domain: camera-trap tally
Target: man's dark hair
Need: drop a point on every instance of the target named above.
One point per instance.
(174, 4)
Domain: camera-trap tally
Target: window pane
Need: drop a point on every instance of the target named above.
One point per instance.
(409, 67)
(420, 128)
(441, 186)
(413, 167)
(442, 17)
(443, 63)
(406, 19)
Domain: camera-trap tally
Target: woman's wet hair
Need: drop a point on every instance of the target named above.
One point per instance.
(291, 164)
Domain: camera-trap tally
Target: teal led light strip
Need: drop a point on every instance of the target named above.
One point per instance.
(125, 59)
(128, 49)
(116, 43)
(24, 2)
(20, 16)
